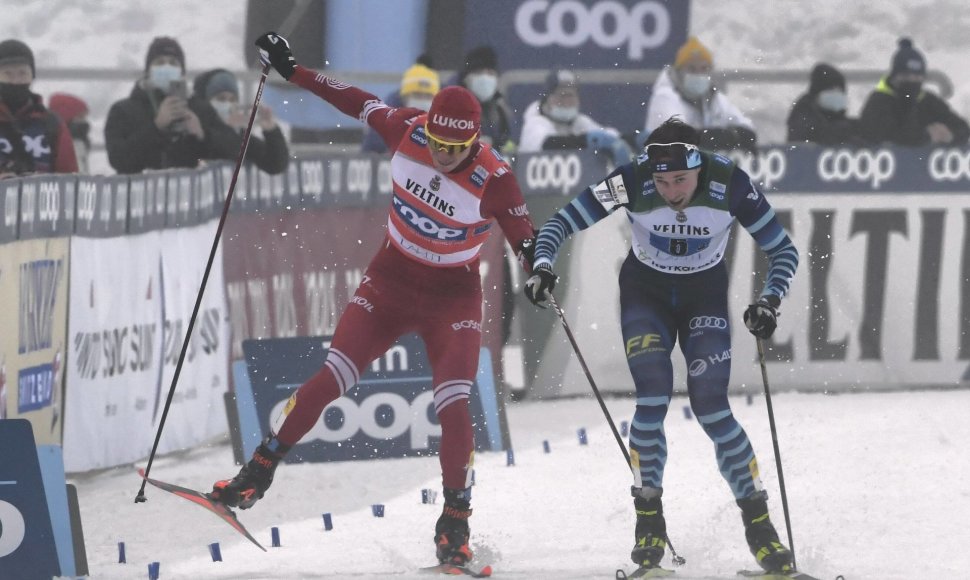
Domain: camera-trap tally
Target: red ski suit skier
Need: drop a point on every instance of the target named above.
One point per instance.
(425, 277)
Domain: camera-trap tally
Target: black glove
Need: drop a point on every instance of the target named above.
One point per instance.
(761, 317)
(538, 288)
(275, 50)
(526, 253)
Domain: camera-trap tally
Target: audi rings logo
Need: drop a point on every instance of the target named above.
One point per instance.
(708, 322)
(697, 367)
(765, 168)
(949, 165)
(609, 24)
(863, 165)
(560, 172)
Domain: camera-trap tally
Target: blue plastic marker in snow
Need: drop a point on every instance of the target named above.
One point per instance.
(545, 447)
(624, 428)
(378, 510)
(582, 436)
(275, 536)
(750, 398)
(687, 413)
(509, 458)
(121, 553)
(215, 552)
(327, 522)
(153, 570)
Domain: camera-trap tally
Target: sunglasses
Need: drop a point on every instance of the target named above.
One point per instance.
(450, 147)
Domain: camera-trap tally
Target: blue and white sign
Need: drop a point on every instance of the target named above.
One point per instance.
(390, 413)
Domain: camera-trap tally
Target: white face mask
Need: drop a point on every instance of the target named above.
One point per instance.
(696, 85)
(162, 75)
(423, 103)
(224, 108)
(562, 114)
(482, 85)
(832, 100)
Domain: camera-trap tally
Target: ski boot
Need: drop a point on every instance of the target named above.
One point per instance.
(253, 479)
(762, 538)
(451, 532)
(651, 530)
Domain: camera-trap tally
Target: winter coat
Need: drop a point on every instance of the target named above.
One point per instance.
(135, 144)
(810, 123)
(889, 118)
(270, 153)
(536, 128)
(35, 140)
(722, 125)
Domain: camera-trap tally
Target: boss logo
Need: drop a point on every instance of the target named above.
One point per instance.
(949, 165)
(473, 324)
(425, 225)
(608, 24)
(863, 165)
(560, 172)
(708, 322)
(766, 167)
(380, 416)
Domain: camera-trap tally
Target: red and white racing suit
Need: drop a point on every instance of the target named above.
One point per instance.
(425, 277)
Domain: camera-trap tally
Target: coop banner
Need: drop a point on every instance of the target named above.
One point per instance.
(131, 301)
(881, 299)
(33, 292)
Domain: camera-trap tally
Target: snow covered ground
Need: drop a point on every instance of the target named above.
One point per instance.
(877, 487)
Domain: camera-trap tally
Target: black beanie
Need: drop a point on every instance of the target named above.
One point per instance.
(481, 57)
(164, 46)
(825, 76)
(16, 52)
(907, 59)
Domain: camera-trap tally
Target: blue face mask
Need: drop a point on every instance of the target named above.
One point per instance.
(695, 85)
(562, 114)
(162, 75)
(833, 100)
(224, 108)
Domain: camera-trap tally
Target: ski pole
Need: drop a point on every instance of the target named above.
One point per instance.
(774, 442)
(205, 279)
(677, 559)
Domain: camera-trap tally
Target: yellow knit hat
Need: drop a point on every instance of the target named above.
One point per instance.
(419, 79)
(693, 48)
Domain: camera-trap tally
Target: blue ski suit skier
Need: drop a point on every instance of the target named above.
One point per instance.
(681, 202)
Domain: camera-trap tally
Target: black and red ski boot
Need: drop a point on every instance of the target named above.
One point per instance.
(252, 481)
(451, 532)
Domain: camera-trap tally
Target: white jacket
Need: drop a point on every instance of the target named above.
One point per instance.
(536, 128)
(715, 111)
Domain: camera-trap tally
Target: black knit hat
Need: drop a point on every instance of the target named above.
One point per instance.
(16, 52)
(481, 57)
(825, 76)
(907, 59)
(164, 46)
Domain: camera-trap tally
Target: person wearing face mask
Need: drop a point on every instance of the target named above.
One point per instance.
(215, 99)
(154, 127)
(554, 122)
(419, 84)
(686, 90)
(480, 76)
(32, 138)
(902, 112)
(819, 116)
(74, 111)
(448, 191)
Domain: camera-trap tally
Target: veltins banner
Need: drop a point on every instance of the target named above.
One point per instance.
(390, 413)
(130, 306)
(33, 291)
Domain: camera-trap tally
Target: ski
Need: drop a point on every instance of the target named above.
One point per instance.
(762, 575)
(646, 572)
(204, 500)
(455, 570)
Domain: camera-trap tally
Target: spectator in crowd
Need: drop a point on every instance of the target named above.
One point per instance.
(215, 100)
(74, 111)
(686, 90)
(480, 76)
(899, 110)
(32, 138)
(154, 128)
(554, 122)
(419, 85)
(819, 116)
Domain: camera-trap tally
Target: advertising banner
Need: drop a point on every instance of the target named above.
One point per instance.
(130, 308)
(390, 413)
(33, 290)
